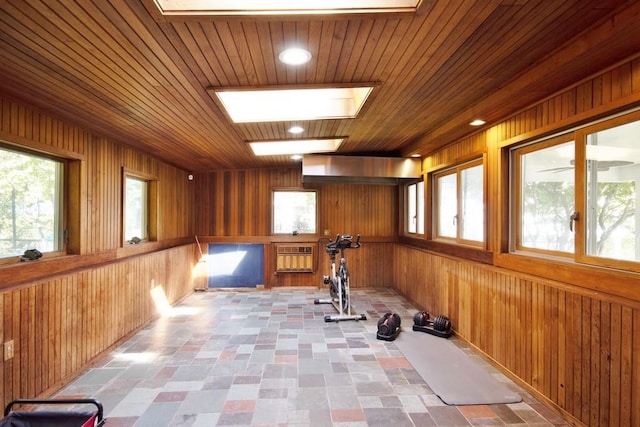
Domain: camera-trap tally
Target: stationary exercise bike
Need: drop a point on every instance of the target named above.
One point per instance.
(338, 281)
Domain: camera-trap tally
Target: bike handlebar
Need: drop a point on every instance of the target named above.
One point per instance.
(344, 241)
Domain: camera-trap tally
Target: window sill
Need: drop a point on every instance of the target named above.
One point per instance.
(12, 275)
(21, 273)
(624, 284)
(455, 250)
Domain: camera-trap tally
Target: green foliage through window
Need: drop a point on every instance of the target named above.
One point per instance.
(294, 211)
(30, 203)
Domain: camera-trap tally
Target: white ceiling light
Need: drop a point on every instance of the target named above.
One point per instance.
(298, 146)
(296, 129)
(295, 56)
(278, 105)
(283, 7)
(477, 122)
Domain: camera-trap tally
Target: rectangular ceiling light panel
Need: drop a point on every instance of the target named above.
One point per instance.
(271, 105)
(283, 7)
(300, 146)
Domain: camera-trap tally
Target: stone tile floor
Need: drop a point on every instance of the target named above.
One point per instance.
(268, 358)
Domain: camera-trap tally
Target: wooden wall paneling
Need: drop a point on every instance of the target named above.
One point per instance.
(2, 340)
(627, 367)
(614, 329)
(575, 349)
(60, 325)
(18, 342)
(561, 349)
(634, 377)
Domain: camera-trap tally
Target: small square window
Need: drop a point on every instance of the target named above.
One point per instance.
(294, 212)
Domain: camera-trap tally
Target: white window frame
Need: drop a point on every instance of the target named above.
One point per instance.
(414, 208)
(459, 218)
(283, 218)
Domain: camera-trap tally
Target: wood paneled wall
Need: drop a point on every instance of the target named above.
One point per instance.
(59, 326)
(573, 347)
(60, 313)
(235, 206)
(569, 332)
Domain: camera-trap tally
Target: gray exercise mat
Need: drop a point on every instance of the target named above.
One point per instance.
(452, 374)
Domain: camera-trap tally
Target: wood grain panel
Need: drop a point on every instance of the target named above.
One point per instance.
(126, 72)
(236, 205)
(60, 325)
(573, 348)
(63, 312)
(100, 192)
(564, 330)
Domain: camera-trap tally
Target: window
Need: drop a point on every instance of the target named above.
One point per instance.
(139, 216)
(415, 208)
(611, 173)
(31, 203)
(459, 204)
(545, 190)
(294, 212)
(576, 195)
(135, 208)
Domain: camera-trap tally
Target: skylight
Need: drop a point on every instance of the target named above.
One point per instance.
(283, 7)
(297, 146)
(277, 105)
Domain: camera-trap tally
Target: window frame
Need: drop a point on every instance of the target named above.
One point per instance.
(293, 190)
(62, 196)
(151, 206)
(420, 213)
(581, 197)
(435, 212)
(579, 256)
(516, 205)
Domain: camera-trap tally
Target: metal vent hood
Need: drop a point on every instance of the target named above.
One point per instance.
(358, 169)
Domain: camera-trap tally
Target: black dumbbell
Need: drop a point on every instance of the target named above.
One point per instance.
(440, 323)
(389, 324)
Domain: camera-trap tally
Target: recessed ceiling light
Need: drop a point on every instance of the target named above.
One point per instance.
(297, 146)
(477, 122)
(295, 56)
(279, 105)
(296, 129)
(296, 157)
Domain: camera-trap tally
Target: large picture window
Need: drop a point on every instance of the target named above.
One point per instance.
(576, 196)
(294, 212)
(458, 196)
(31, 203)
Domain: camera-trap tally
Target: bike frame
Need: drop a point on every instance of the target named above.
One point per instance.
(339, 280)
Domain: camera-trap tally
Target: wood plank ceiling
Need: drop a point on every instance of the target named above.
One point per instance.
(121, 69)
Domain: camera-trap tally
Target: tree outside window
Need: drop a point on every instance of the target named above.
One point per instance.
(294, 211)
(136, 205)
(31, 215)
(459, 204)
(576, 195)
